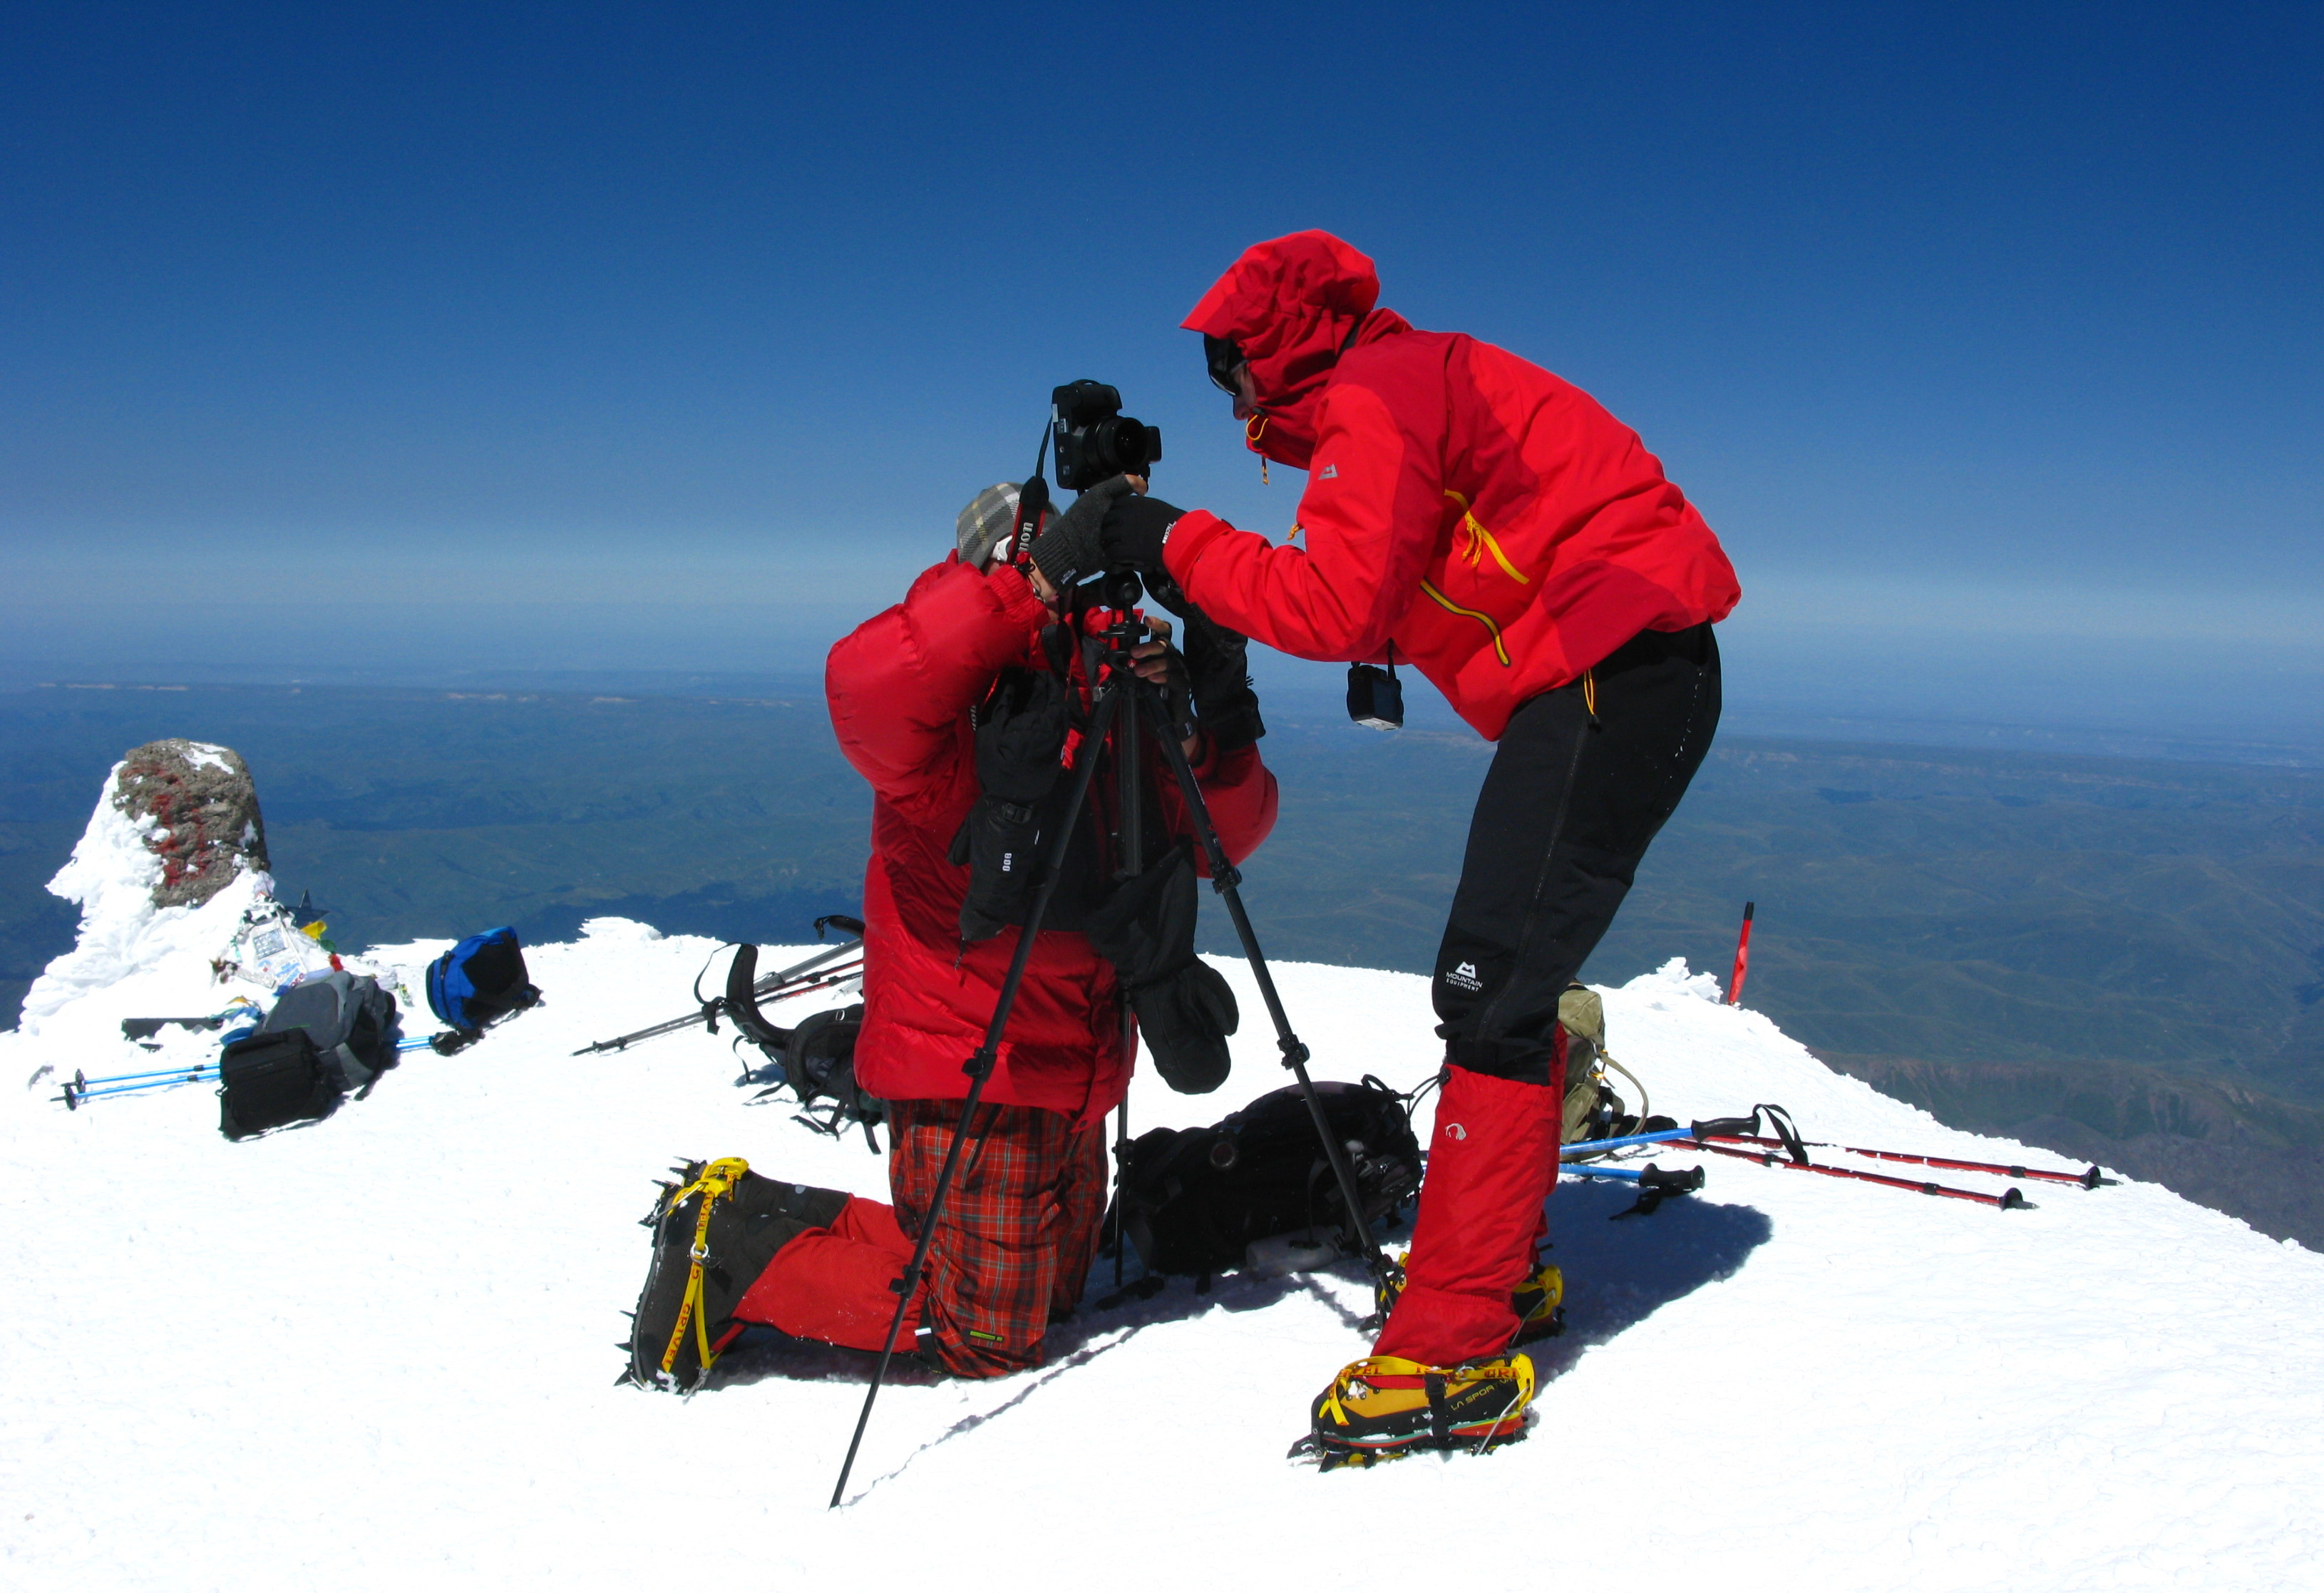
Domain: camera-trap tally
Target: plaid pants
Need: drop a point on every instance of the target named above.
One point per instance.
(1018, 1231)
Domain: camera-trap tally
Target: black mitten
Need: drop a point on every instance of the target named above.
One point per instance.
(1145, 927)
(1185, 1010)
(1185, 1021)
(1020, 739)
(1218, 668)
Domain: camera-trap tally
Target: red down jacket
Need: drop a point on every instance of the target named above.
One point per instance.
(900, 686)
(1490, 520)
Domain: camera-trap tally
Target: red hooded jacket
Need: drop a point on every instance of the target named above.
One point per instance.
(1490, 521)
(900, 686)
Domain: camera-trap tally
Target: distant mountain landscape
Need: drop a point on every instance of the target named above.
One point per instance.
(2122, 960)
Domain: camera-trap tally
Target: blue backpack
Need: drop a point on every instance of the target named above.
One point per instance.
(479, 982)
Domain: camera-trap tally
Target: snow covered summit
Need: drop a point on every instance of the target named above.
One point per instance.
(380, 1352)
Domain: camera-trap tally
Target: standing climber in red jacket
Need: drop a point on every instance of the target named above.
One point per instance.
(964, 706)
(1472, 515)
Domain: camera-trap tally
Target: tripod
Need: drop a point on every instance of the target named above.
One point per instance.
(1122, 695)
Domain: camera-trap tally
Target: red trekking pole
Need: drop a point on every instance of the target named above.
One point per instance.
(1742, 958)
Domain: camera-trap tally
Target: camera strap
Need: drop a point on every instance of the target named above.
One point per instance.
(1032, 503)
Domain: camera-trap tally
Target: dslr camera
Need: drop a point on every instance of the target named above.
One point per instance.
(1095, 441)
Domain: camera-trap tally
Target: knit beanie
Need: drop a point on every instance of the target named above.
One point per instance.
(986, 523)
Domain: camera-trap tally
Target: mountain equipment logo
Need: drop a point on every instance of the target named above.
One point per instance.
(1454, 1130)
(1329, 473)
(1464, 977)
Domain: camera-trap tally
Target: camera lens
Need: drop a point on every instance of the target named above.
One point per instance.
(1122, 443)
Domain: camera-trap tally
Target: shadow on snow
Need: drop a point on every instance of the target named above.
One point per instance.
(1616, 1275)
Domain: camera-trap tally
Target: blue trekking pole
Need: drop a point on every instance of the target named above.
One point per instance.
(77, 1088)
(1655, 1185)
(80, 1088)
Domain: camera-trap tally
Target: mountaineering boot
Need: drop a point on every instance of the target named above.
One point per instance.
(1539, 1301)
(1540, 1304)
(715, 1232)
(1383, 1406)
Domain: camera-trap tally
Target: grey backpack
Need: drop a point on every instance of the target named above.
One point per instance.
(326, 1037)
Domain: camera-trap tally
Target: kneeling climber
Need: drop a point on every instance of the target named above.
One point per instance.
(967, 707)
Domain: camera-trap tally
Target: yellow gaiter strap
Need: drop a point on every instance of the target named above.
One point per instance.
(719, 1178)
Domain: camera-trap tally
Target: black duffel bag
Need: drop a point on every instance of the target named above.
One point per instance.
(1195, 1201)
(326, 1038)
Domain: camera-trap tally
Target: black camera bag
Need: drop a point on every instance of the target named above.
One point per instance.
(266, 1081)
(1193, 1201)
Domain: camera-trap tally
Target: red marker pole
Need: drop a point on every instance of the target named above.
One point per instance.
(1742, 958)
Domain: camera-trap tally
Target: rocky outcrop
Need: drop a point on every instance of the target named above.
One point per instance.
(198, 809)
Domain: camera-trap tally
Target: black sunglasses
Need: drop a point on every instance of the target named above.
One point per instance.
(1224, 360)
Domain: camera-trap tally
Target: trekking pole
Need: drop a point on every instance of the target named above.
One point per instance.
(1225, 879)
(79, 1082)
(1656, 1184)
(1590, 1147)
(1742, 958)
(771, 985)
(2007, 1201)
(2089, 1178)
(77, 1089)
(980, 1065)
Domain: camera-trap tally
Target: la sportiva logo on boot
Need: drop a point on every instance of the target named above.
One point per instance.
(1464, 977)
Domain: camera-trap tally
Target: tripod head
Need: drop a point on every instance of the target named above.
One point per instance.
(1118, 591)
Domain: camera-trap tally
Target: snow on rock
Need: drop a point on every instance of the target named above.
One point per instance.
(379, 1353)
(132, 957)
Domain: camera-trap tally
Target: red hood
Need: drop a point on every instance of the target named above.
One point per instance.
(1293, 305)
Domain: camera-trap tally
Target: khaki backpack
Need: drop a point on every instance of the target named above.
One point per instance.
(1592, 1108)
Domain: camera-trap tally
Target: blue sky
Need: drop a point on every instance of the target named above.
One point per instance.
(617, 336)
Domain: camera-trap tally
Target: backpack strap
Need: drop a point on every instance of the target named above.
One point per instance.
(743, 1003)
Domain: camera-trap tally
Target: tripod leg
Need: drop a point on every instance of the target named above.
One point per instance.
(1122, 1149)
(1130, 851)
(979, 1068)
(1225, 880)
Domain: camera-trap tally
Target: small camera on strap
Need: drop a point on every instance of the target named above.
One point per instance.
(1375, 695)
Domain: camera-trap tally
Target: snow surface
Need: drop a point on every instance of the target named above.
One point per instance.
(381, 1352)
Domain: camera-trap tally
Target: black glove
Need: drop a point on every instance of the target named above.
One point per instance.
(1133, 532)
(1218, 673)
(1177, 692)
(1072, 549)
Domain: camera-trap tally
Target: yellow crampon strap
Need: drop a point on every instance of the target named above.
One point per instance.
(718, 1177)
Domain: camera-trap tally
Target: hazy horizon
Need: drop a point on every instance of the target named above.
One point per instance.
(412, 339)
